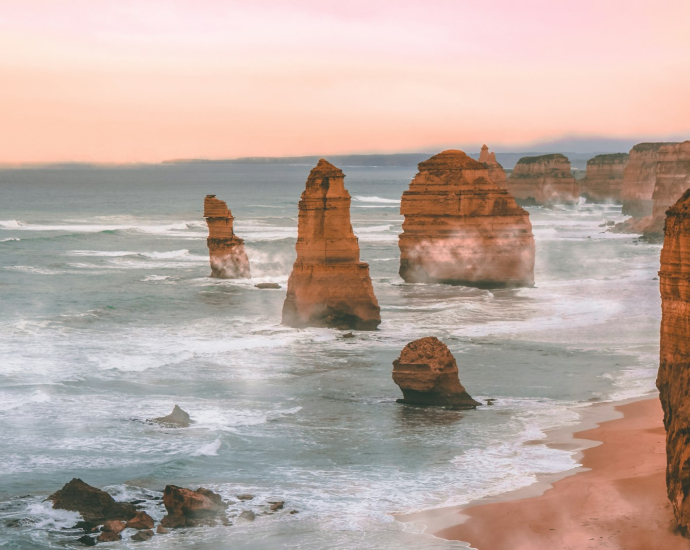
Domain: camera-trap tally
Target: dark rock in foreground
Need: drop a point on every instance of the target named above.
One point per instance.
(94, 505)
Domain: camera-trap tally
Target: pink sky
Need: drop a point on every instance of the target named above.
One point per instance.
(147, 80)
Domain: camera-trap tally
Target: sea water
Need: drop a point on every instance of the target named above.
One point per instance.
(108, 318)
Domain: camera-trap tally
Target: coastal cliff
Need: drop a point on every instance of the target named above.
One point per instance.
(462, 228)
(226, 250)
(329, 285)
(545, 179)
(639, 179)
(604, 179)
(673, 379)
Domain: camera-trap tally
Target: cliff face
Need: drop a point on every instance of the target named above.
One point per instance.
(604, 179)
(496, 172)
(427, 374)
(672, 179)
(461, 228)
(329, 286)
(673, 379)
(545, 179)
(639, 178)
(226, 250)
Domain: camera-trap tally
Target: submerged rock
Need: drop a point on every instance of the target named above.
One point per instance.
(544, 179)
(248, 515)
(177, 418)
(187, 508)
(226, 250)
(329, 286)
(427, 374)
(142, 536)
(86, 540)
(267, 285)
(162, 530)
(109, 536)
(604, 179)
(94, 505)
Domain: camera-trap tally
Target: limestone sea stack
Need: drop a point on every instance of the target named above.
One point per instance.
(329, 286)
(543, 180)
(673, 379)
(496, 172)
(427, 374)
(639, 179)
(228, 257)
(461, 228)
(604, 179)
(672, 180)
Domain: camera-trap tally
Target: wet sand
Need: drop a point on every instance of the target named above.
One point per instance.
(618, 502)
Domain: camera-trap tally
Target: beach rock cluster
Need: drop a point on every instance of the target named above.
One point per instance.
(673, 379)
(604, 179)
(639, 179)
(543, 180)
(329, 286)
(226, 250)
(427, 374)
(460, 227)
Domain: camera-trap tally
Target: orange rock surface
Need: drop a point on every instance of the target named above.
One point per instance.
(462, 228)
(187, 508)
(672, 179)
(604, 178)
(427, 374)
(639, 178)
(673, 379)
(545, 179)
(329, 286)
(228, 257)
(496, 172)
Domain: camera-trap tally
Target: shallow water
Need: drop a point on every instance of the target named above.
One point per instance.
(108, 318)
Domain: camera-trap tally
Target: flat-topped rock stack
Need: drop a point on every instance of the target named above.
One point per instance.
(639, 179)
(226, 250)
(461, 228)
(672, 180)
(329, 286)
(673, 379)
(496, 172)
(604, 179)
(543, 180)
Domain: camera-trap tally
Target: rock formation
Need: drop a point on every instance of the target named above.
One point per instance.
(427, 374)
(177, 418)
(187, 508)
(228, 257)
(672, 179)
(639, 178)
(673, 379)
(545, 179)
(604, 179)
(496, 172)
(94, 505)
(141, 520)
(461, 228)
(329, 286)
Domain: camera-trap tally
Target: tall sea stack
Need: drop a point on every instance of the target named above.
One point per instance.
(673, 379)
(604, 179)
(496, 172)
(329, 286)
(462, 228)
(226, 250)
(639, 178)
(545, 179)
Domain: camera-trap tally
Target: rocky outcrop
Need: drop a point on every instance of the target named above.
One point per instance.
(604, 179)
(673, 379)
(496, 172)
(94, 505)
(176, 419)
(226, 250)
(462, 228)
(329, 286)
(141, 520)
(639, 179)
(427, 374)
(545, 179)
(672, 180)
(187, 508)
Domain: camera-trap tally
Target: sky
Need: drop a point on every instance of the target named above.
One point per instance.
(142, 81)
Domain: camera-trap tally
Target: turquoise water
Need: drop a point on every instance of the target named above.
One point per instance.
(108, 318)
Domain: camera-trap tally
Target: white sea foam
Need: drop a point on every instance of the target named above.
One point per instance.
(360, 198)
(208, 450)
(9, 240)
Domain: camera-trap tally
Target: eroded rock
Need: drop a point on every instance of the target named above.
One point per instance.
(177, 418)
(604, 179)
(187, 508)
(141, 520)
(544, 179)
(639, 179)
(94, 505)
(226, 250)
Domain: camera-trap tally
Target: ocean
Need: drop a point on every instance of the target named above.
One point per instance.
(108, 318)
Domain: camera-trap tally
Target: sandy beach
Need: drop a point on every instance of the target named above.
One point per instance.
(617, 500)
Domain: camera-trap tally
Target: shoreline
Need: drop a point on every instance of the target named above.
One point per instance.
(620, 448)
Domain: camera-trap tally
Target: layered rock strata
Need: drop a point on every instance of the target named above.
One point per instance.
(604, 179)
(672, 180)
(639, 179)
(462, 228)
(496, 172)
(226, 250)
(543, 180)
(673, 379)
(427, 374)
(329, 286)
